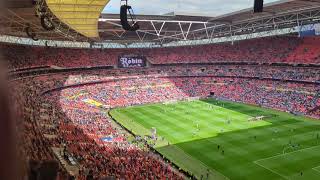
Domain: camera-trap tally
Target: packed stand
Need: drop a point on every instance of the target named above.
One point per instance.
(283, 49)
(288, 88)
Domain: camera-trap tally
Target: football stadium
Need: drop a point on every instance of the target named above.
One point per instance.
(160, 90)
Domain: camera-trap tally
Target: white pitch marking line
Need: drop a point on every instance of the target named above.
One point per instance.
(287, 153)
(315, 168)
(285, 177)
(257, 161)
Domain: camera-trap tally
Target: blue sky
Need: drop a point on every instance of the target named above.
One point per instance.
(204, 7)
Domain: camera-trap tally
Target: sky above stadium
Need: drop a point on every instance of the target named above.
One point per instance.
(201, 7)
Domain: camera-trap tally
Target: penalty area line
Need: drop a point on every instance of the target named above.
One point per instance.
(317, 169)
(285, 177)
(279, 155)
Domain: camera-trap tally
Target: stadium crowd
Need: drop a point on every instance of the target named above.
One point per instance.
(291, 50)
(77, 120)
(71, 101)
(114, 157)
(293, 97)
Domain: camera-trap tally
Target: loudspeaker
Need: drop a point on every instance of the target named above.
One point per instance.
(124, 19)
(30, 33)
(258, 6)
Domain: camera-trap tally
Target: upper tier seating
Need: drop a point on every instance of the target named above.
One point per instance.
(264, 50)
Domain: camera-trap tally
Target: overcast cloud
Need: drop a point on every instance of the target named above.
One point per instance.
(202, 7)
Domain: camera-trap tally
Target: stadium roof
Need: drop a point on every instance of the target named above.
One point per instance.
(270, 9)
(22, 13)
(173, 27)
(285, 14)
(81, 15)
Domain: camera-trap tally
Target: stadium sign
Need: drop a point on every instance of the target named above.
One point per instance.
(132, 61)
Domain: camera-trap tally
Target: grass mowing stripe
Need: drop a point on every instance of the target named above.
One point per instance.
(186, 161)
(126, 122)
(285, 177)
(317, 169)
(290, 164)
(177, 121)
(293, 152)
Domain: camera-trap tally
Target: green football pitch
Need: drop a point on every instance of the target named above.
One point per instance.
(225, 140)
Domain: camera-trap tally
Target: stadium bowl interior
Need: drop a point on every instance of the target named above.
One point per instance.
(180, 98)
